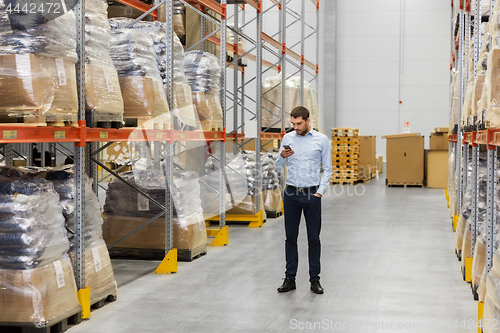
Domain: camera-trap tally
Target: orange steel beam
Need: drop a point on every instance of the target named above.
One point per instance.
(210, 4)
(139, 5)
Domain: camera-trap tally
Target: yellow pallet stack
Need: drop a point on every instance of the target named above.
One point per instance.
(345, 155)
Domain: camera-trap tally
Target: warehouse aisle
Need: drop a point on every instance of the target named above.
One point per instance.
(387, 264)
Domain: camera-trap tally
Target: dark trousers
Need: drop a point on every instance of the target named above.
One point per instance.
(295, 203)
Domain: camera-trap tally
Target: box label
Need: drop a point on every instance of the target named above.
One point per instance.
(59, 135)
(59, 274)
(97, 259)
(9, 135)
(61, 72)
(142, 202)
(107, 78)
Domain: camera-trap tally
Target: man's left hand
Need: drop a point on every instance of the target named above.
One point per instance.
(317, 195)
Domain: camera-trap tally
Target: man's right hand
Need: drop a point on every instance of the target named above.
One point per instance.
(287, 153)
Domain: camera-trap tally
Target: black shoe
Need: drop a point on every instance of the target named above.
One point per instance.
(316, 287)
(288, 285)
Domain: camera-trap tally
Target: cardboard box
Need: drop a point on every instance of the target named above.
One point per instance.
(439, 140)
(188, 233)
(24, 82)
(138, 96)
(272, 200)
(38, 295)
(102, 91)
(380, 164)
(437, 168)
(367, 157)
(44, 88)
(405, 159)
(126, 11)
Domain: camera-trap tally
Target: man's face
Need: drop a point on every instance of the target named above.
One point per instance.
(300, 125)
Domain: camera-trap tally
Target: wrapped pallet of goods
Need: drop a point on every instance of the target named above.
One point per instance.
(203, 74)
(271, 101)
(184, 111)
(103, 97)
(37, 68)
(492, 81)
(37, 284)
(134, 57)
(126, 209)
(481, 72)
(178, 20)
(489, 290)
(99, 275)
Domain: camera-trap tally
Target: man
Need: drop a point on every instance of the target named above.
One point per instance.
(303, 192)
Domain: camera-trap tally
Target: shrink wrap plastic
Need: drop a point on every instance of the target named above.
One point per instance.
(134, 57)
(37, 73)
(271, 101)
(102, 87)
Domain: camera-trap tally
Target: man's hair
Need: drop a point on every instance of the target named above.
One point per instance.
(300, 111)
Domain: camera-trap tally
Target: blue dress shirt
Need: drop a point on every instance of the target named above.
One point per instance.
(304, 165)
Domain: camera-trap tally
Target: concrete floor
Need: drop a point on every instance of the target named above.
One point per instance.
(387, 265)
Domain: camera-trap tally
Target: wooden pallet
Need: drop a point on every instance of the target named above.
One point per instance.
(272, 214)
(344, 149)
(155, 254)
(56, 325)
(36, 121)
(405, 185)
(107, 299)
(345, 155)
(345, 132)
(344, 168)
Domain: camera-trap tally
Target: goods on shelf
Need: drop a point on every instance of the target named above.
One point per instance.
(451, 183)
(126, 209)
(178, 18)
(203, 73)
(134, 57)
(102, 88)
(491, 87)
(491, 289)
(37, 72)
(36, 277)
(271, 101)
(240, 180)
(99, 275)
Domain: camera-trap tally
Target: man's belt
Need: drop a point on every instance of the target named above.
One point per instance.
(302, 189)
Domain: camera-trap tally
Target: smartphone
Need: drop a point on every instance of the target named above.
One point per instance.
(286, 147)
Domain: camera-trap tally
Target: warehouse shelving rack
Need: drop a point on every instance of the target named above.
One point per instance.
(86, 137)
(284, 55)
(468, 139)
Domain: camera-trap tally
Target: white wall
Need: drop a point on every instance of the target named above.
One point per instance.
(390, 51)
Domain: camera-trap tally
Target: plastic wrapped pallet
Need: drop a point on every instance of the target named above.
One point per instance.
(134, 57)
(37, 73)
(451, 184)
(178, 18)
(126, 209)
(454, 100)
(40, 294)
(183, 110)
(271, 102)
(99, 275)
(36, 277)
(102, 88)
(203, 74)
(492, 295)
(241, 177)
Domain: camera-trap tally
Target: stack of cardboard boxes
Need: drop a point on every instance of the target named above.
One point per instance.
(437, 159)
